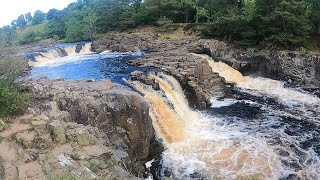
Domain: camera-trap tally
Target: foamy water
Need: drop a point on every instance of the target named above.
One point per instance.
(201, 145)
(212, 147)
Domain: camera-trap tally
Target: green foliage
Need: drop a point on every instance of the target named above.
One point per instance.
(12, 101)
(80, 25)
(286, 25)
(51, 13)
(28, 18)
(32, 34)
(56, 26)
(93, 167)
(21, 22)
(271, 23)
(274, 23)
(38, 17)
(7, 35)
(249, 10)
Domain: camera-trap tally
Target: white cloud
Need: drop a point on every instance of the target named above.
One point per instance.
(11, 9)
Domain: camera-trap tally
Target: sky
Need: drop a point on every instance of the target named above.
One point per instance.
(11, 9)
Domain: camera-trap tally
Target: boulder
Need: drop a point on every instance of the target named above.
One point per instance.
(58, 132)
(26, 138)
(80, 136)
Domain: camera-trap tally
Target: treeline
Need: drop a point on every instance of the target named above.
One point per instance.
(273, 23)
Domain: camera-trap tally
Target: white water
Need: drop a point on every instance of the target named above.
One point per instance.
(229, 147)
(63, 54)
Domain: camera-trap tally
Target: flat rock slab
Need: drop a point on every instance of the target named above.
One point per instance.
(16, 127)
(31, 171)
(8, 152)
(96, 150)
(63, 149)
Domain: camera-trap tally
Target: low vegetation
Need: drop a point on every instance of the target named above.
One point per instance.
(13, 102)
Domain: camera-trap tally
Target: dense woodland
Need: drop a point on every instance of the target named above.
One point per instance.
(267, 23)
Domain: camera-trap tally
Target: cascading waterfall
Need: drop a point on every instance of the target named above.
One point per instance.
(300, 102)
(202, 145)
(196, 144)
(55, 53)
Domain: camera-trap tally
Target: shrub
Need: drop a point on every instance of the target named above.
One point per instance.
(12, 101)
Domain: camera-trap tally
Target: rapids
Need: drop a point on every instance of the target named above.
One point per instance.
(271, 133)
(76, 61)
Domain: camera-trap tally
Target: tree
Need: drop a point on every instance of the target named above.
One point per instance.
(38, 17)
(28, 18)
(249, 10)
(314, 15)
(51, 13)
(80, 24)
(89, 22)
(21, 22)
(286, 25)
(56, 26)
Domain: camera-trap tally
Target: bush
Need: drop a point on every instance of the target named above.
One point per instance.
(12, 101)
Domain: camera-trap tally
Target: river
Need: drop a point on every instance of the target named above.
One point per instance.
(268, 132)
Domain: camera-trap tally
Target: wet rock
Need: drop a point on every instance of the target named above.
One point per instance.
(194, 74)
(297, 68)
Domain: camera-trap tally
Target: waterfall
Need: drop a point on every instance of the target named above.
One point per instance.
(197, 144)
(202, 145)
(261, 86)
(57, 52)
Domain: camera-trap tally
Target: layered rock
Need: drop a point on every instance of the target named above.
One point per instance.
(116, 110)
(31, 149)
(123, 42)
(297, 68)
(194, 74)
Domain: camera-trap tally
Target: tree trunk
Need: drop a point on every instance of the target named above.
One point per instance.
(187, 16)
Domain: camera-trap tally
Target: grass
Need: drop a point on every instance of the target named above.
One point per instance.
(93, 167)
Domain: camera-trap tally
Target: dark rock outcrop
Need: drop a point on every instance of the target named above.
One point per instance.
(194, 74)
(297, 68)
(118, 111)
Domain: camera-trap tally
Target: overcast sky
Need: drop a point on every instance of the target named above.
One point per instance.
(11, 9)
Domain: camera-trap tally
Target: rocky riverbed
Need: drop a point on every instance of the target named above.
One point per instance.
(95, 129)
